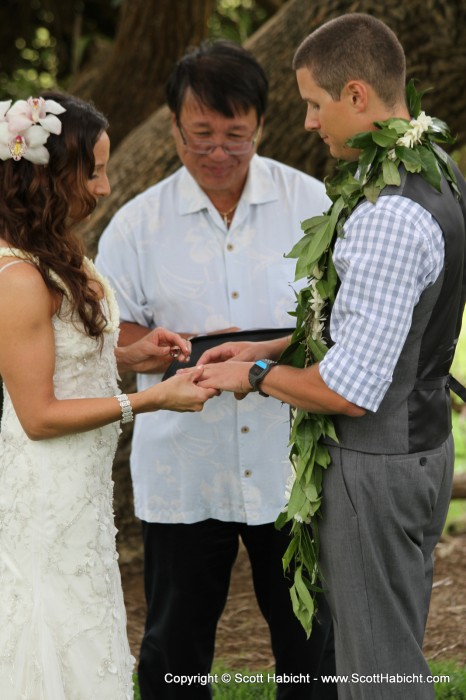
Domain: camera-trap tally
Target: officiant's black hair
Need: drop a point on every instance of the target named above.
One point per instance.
(223, 76)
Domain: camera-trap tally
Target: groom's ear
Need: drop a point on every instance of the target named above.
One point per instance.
(357, 94)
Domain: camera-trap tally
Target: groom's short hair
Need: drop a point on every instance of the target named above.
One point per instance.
(355, 46)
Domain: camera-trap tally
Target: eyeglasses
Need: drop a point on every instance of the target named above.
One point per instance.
(203, 147)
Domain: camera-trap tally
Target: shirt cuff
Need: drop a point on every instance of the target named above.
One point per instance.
(355, 383)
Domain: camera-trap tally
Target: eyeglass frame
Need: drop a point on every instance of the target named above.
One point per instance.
(213, 146)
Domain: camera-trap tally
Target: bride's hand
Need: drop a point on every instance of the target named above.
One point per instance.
(182, 392)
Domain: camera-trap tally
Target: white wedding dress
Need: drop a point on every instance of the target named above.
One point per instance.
(62, 616)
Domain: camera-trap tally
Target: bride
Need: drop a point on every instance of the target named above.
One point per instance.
(62, 618)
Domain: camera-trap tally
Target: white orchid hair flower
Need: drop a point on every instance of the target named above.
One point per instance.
(25, 127)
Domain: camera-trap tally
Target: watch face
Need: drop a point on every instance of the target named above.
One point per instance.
(258, 368)
(257, 373)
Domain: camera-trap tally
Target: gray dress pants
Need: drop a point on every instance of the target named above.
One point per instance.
(382, 517)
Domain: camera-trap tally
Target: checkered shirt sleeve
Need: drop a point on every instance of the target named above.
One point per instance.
(389, 254)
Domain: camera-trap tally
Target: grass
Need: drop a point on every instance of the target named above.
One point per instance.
(457, 510)
(455, 689)
(253, 685)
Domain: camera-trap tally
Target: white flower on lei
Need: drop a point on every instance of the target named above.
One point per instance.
(413, 135)
(289, 484)
(317, 328)
(316, 305)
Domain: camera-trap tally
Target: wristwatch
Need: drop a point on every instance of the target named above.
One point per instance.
(257, 373)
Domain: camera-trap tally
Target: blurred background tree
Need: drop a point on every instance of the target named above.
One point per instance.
(105, 49)
(119, 53)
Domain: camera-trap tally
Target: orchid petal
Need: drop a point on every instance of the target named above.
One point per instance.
(4, 107)
(38, 155)
(18, 122)
(36, 136)
(51, 123)
(53, 107)
(20, 107)
(4, 139)
(37, 108)
(4, 152)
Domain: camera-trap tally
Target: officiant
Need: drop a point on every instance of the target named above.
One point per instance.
(200, 253)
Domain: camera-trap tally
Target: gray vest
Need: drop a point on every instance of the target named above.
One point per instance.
(415, 414)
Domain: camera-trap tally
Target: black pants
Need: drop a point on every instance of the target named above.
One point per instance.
(187, 576)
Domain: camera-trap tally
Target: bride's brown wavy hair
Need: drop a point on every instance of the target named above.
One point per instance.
(40, 205)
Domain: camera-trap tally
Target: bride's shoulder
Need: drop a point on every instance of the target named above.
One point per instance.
(19, 276)
(11, 257)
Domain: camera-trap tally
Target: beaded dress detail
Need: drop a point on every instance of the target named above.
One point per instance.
(62, 616)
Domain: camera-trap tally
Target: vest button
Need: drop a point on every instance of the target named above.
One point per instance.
(423, 461)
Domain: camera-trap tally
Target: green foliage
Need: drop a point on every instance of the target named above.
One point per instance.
(459, 435)
(46, 48)
(455, 688)
(458, 370)
(137, 694)
(459, 362)
(37, 67)
(457, 509)
(236, 19)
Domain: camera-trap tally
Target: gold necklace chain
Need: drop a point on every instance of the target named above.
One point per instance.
(225, 214)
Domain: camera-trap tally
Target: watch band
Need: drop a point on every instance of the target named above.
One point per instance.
(257, 373)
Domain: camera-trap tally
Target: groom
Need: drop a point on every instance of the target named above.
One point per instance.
(394, 326)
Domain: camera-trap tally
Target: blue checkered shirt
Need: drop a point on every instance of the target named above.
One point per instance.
(390, 253)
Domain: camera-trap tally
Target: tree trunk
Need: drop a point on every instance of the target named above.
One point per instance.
(436, 59)
(459, 486)
(151, 37)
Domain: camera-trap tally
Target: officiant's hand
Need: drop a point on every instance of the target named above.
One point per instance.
(144, 355)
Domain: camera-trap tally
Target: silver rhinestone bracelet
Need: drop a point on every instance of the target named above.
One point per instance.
(126, 409)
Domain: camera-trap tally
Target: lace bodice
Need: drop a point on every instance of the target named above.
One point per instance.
(63, 624)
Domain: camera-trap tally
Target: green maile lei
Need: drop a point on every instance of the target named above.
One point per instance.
(395, 142)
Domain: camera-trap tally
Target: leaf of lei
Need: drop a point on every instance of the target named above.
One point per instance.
(381, 156)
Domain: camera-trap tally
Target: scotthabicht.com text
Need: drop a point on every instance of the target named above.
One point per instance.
(376, 678)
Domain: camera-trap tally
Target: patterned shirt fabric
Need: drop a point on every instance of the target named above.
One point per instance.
(174, 263)
(389, 253)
